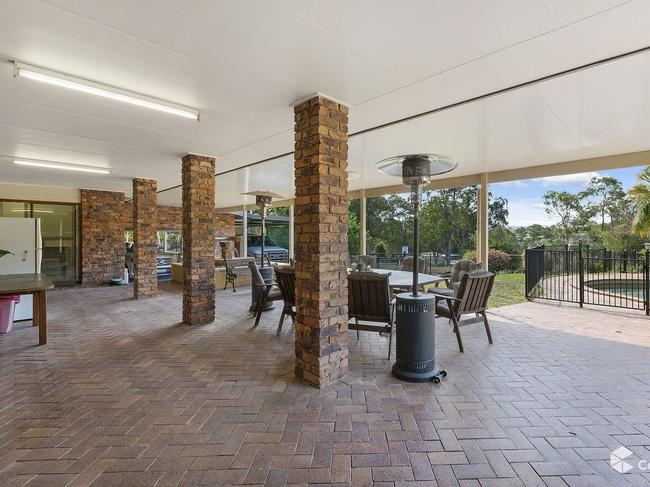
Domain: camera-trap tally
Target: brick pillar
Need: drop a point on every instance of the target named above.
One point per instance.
(321, 226)
(102, 237)
(198, 239)
(145, 248)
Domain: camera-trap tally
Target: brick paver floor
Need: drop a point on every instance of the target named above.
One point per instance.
(123, 394)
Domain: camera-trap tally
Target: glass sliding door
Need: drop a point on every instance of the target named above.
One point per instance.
(60, 240)
(60, 234)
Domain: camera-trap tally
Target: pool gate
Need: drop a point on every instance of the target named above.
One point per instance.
(584, 275)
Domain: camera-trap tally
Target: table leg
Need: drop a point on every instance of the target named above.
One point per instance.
(35, 305)
(42, 317)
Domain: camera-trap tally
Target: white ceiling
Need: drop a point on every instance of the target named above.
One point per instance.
(244, 64)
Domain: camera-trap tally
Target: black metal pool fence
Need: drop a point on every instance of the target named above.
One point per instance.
(586, 275)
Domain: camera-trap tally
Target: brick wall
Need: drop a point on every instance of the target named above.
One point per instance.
(198, 239)
(171, 218)
(145, 250)
(102, 237)
(321, 219)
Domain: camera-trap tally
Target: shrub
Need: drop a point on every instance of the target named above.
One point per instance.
(469, 255)
(499, 261)
(380, 248)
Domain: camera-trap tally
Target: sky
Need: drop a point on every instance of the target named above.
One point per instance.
(525, 197)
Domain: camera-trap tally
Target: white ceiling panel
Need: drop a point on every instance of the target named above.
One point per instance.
(244, 64)
(566, 12)
(257, 39)
(424, 37)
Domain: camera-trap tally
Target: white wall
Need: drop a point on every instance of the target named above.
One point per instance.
(32, 192)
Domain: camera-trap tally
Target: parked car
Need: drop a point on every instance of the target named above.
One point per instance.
(275, 253)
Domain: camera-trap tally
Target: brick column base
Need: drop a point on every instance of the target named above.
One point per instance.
(321, 219)
(198, 239)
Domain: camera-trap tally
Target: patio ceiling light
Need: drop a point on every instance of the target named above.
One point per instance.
(93, 88)
(62, 166)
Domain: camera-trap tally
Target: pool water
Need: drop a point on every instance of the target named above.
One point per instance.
(632, 288)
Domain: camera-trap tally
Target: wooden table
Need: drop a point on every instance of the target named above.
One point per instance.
(404, 279)
(36, 285)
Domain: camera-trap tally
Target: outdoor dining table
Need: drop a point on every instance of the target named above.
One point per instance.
(404, 279)
(37, 285)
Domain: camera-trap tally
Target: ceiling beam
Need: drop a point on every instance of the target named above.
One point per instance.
(617, 161)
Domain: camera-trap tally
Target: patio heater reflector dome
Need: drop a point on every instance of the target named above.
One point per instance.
(416, 168)
(415, 332)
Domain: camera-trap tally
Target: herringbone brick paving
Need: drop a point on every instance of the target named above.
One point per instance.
(123, 394)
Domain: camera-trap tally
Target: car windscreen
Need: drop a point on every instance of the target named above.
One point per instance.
(256, 241)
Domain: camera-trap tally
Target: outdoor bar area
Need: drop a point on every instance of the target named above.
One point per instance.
(302, 243)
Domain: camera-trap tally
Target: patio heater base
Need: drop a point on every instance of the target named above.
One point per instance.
(415, 339)
(267, 275)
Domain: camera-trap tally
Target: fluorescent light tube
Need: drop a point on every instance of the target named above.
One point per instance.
(61, 165)
(93, 88)
(35, 211)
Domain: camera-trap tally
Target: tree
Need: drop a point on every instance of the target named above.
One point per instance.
(448, 220)
(609, 198)
(505, 239)
(354, 242)
(640, 193)
(278, 234)
(388, 220)
(497, 211)
(567, 207)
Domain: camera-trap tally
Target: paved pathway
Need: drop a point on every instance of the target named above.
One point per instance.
(125, 395)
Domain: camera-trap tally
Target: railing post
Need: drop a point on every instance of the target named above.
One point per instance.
(566, 259)
(526, 272)
(581, 271)
(646, 282)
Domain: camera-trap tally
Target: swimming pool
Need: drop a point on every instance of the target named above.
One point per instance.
(631, 288)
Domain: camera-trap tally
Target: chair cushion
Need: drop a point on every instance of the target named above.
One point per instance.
(442, 307)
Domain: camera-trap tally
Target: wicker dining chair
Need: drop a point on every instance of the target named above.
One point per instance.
(285, 276)
(471, 299)
(369, 301)
(265, 292)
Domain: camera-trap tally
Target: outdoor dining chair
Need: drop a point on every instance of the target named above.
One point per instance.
(407, 264)
(369, 301)
(265, 292)
(370, 260)
(473, 294)
(452, 279)
(285, 276)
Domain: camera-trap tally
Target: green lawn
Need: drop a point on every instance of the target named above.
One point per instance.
(508, 289)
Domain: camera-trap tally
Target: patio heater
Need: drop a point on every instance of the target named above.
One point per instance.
(263, 201)
(415, 312)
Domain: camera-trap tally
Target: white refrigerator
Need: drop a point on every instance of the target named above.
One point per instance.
(21, 237)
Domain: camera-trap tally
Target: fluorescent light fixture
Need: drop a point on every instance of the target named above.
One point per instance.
(35, 211)
(61, 165)
(93, 88)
